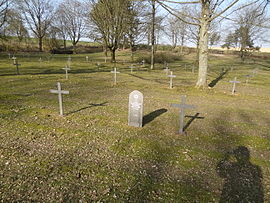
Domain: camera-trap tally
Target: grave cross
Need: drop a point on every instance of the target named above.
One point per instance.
(193, 69)
(131, 68)
(247, 78)
(166, 70)
(69, 62)
(66, 69)
(60, 92)
(234, 84)
(17, 66)
(182, 107)
(254, 72)
(171, 76)
(143, 63)
(114, 72)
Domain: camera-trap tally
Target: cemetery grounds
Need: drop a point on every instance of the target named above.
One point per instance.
(91, 154)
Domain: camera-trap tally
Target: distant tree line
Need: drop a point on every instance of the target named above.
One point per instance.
(126, 23)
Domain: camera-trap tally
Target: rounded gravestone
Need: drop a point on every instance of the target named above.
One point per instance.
(135, 106)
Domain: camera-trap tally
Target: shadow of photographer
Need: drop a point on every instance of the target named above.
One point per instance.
(242, 179)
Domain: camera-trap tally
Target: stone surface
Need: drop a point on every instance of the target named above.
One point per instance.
(135, 109)
(182, 106)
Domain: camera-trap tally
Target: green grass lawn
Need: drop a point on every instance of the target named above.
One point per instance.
(91, 154)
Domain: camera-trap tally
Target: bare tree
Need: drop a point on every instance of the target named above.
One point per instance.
(111, 18)
(136, 26)
(153, 37)
(60, 25)
(72, 19)
(248, 28)
(15, 25)
(3, 11)
(209, 10)
(38, 15)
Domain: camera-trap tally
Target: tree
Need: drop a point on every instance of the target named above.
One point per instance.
(209, 10)
(177, 31)
(15, 25)
(72, 16)
(3, 11)
(38, 15)
(153, 24)
(111, 19)
(249, 27)
(136, 26)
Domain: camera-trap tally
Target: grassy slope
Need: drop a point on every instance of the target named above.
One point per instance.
(91, 153)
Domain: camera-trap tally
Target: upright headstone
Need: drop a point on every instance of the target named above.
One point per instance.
(182, 107)
(234, 84)
(9, 55)
(171, 76)
(60, 92)
(66, 70)
(14, 60)
(87, 59)
(135, 109)
(115, 72)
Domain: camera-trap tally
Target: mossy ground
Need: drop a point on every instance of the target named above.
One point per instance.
(91, 154)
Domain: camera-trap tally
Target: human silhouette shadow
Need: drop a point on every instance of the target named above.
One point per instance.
(242, 179)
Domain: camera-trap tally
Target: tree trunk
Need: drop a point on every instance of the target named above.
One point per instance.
(40, 44)
(65, 44)
(113, 56)
(153, 35)
(203, 46)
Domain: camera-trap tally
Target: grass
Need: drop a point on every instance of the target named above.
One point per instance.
(91, 154)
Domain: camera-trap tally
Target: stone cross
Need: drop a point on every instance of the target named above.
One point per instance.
(66, 69)
(135, 109)
(143, 63)
(247, 78)
(14, 60)
(182, 107)
(193, 69)
(234, 84)
(254, 72)
(17, 66)
(69, 62)
(171, 76)
(131, 68)
(60, 92)
(114, 72)
(166, 70)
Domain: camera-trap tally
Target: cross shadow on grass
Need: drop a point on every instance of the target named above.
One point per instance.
(87, 107)
(220, 77)
(192, 118)
(151, 116)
